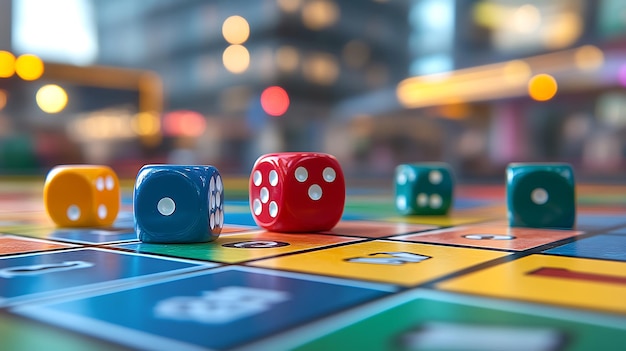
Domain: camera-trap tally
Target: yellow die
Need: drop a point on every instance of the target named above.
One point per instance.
(82, 195)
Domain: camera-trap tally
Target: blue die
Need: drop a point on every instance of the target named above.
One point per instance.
(178, 204)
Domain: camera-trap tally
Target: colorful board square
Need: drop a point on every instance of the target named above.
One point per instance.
(370, 229)
(384, 261)
(609, 247)
(495, 236)
(235, 248)
(10, 244)
(430, 320)
(231, 306)
(22, 334)
(577, 282)
(30, 276)
(82, 235)
(590, 222)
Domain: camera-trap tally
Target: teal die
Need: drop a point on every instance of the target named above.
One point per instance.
(541, 195)
(423, 188)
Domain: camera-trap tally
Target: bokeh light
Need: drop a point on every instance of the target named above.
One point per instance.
(542, 87)
(146, 124)
(516, 71)
(184, 123)
(621, 76)
(236, 59)
(287, 58)
(275, 101)
(51, 98)
(321, 68)
(589, 58)
(29, 67)
(320, 14)
(289, 6)
(7, 64)
(526, 19)
(563, 30)
(3, 99)
(236, 30)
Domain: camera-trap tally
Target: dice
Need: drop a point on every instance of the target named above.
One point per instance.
(297, 192)
(541, 195)
(423, 188)
(82, 195)
(178, 204)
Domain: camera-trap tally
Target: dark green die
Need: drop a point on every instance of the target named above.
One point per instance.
(541, 195)
(424, 188)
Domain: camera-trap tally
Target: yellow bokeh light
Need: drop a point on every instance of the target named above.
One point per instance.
(516, 71)
(7, 64)
(526, 19)
(289, 6)
(542, 87)
(320, 14)
(236, 59)
(589, 58)
(563, 31)
(236, 30)
(51, 98)
(321, 68)
(287, 58)
(3, 99)
(29, 67)
(146, 124)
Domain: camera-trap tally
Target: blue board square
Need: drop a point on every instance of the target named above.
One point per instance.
(611, 247)
(94, 236)
(588, 222)
(36, 275)
(218, 309)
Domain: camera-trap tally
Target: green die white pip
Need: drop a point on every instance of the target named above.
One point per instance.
(541, 195)
(423, 188)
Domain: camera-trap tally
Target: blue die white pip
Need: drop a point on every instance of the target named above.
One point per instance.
(178, 204)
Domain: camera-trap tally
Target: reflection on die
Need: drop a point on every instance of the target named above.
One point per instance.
(541, 195)
(423, 188)
(82, 195)
(297, 192)
(178, 204)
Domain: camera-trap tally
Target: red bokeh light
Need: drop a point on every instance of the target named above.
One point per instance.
(275, 101)
(184, 123)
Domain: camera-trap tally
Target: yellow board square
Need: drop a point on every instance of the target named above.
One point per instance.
(573, 281)
(384, 261)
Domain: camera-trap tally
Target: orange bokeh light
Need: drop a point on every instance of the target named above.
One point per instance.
(542, 87)
(184, 123)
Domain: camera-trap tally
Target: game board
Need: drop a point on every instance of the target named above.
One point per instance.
(377, 281)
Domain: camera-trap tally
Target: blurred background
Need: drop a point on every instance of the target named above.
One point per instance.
(476, 83)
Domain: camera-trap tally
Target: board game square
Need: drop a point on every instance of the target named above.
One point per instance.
(434, 320)
(495, 235)
(231, 306)
(242, 247)
(610, 247)
(385, 261)
(571, 281)
(30, 276)
(10, 244)
(371, 229)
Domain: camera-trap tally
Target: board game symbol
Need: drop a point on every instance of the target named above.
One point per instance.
(178, 204)
(423, 188)
(297, 192)
(82, 195)
(541, 195)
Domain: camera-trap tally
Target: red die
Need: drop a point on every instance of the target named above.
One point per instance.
(297, 192)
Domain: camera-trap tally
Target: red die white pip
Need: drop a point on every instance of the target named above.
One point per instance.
(297, 192)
